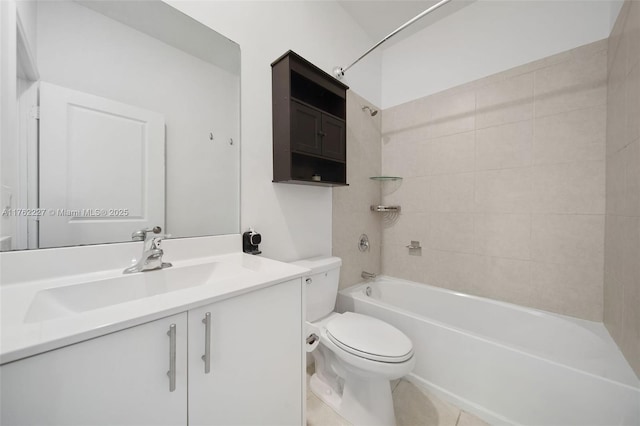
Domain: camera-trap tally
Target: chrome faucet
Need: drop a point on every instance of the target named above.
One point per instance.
(368, 275)
(151, 258)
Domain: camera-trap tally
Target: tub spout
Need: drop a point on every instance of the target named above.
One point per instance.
(368, 275)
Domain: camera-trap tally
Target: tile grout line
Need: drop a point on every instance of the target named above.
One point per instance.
(534, 118)
(458, 419)
(474, 206)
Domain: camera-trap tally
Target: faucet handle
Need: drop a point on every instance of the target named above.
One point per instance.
(141, 235)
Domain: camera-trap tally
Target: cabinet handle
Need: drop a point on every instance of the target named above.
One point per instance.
(207, 343)
(321, 134)
(172, 357)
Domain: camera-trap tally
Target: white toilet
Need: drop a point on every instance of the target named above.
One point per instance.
(357, 356)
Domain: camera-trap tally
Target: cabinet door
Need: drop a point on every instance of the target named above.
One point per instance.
(117, 379)
(305, 129)
(333, 138)
(255, 375)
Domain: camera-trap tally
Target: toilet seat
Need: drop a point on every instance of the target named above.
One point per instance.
(369, 338)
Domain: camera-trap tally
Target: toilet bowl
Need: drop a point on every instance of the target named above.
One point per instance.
(357, 356)
(353, 369)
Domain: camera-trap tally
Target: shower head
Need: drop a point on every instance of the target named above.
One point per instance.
(372, 111)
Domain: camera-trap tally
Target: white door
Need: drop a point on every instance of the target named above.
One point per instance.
(101, 168)
(117, 379)
(256, 371)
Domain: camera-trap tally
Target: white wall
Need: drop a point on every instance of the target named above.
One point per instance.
(487, 37)
(28, 13)
(84, 50)
(616, 7)
(295, 220)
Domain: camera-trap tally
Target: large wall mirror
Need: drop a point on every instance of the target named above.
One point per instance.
(127, 116)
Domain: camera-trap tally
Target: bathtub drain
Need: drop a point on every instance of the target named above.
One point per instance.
(367, 291)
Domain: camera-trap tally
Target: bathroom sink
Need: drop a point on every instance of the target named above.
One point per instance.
(61, 301)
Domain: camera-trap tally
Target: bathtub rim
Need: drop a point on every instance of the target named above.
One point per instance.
(592, 326)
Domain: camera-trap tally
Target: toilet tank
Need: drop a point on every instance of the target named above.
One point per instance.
(321, 285)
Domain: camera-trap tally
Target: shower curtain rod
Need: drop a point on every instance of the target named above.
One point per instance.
(339, 71)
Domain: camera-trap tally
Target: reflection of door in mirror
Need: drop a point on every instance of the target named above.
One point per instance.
(101, 168)
(139, 54)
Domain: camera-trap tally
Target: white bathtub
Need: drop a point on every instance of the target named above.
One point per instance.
(505, 363)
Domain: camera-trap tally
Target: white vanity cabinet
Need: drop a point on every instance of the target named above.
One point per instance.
(255, 374)
(117, 379)
(255, 359)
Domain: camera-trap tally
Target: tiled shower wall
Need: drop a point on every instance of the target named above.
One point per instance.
(351, 215)
(504, 185)
(622, 235)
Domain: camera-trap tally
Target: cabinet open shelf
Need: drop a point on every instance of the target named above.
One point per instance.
(308, 92)
(316, 170)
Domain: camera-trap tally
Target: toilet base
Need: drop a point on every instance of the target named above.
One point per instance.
(361, 401)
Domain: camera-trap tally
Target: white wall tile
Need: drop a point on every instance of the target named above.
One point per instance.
(505, 146)
(632, 32)
(455, 271)
(505, 279)
(631, 193)
(447, 154)
(577, 135)
(504, 191)
(617, 113)
(577, 188)
(574, 290)
(402, 159)
(632, 87)
(503, 235)
(351, 216)
(411, 194)
(630, 342)
(450, 113)
(505, 101)
(397, 262)
(404, 227)
(450, 193)
(505, 184)
(615, 183)
(450, 231)
(568, 239)
(613, 302)
(571, 85)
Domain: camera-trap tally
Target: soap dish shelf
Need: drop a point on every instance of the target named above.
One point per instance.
(385, 209)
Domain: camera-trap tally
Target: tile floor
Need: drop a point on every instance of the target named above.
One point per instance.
(413, 406)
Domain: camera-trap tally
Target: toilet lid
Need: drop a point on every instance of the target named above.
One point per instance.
(369, 338)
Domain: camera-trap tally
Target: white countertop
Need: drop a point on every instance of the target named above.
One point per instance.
(20, 338)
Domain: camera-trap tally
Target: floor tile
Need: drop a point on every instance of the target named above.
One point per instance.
(467, 419)
(320, 414)
(414, 407)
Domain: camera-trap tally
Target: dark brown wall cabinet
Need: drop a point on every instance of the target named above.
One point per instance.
(309, 124)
